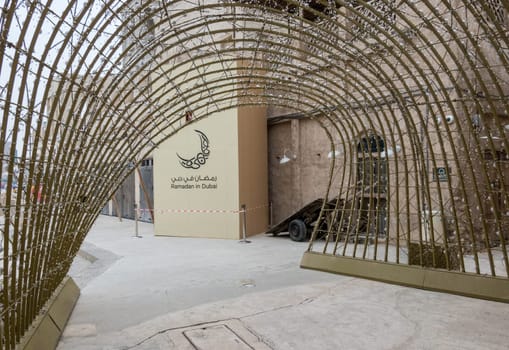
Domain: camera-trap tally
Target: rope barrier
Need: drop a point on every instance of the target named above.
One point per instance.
(201, 211)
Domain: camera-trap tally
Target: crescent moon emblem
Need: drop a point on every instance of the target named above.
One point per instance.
(201, 157)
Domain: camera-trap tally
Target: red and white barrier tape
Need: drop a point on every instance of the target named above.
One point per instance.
(200, 211)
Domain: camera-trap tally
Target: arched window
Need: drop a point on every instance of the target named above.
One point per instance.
(372, 164)
(372, 186)
(371, 144)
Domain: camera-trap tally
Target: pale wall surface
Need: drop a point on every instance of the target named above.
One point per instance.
(305, 177)
(191, 190)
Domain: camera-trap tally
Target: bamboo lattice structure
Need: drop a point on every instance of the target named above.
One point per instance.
(412, 94)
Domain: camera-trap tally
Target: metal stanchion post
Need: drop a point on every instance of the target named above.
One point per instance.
(244, 224)
(136, 221)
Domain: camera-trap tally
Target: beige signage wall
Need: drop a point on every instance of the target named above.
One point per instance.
(197, 194)
(253, 167)
(210, 168)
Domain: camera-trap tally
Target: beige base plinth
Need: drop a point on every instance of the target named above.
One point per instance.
(48, 327)
(466, 284)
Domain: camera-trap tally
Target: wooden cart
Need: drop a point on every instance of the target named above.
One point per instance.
(300, 224)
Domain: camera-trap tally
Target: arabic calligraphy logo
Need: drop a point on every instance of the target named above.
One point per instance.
(201, 157)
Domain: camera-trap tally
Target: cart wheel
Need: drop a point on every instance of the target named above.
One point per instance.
(298, 230)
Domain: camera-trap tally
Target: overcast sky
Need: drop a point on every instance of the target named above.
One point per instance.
(56, 8)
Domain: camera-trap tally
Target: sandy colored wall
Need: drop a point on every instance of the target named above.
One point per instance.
(253, 171)
(305, 177)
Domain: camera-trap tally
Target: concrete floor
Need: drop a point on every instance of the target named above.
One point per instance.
(183, 293)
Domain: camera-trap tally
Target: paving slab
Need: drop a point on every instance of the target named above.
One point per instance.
(177, 293)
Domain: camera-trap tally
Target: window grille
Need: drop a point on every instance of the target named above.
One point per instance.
(491, 11)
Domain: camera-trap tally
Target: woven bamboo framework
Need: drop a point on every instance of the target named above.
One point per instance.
(412, 95)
